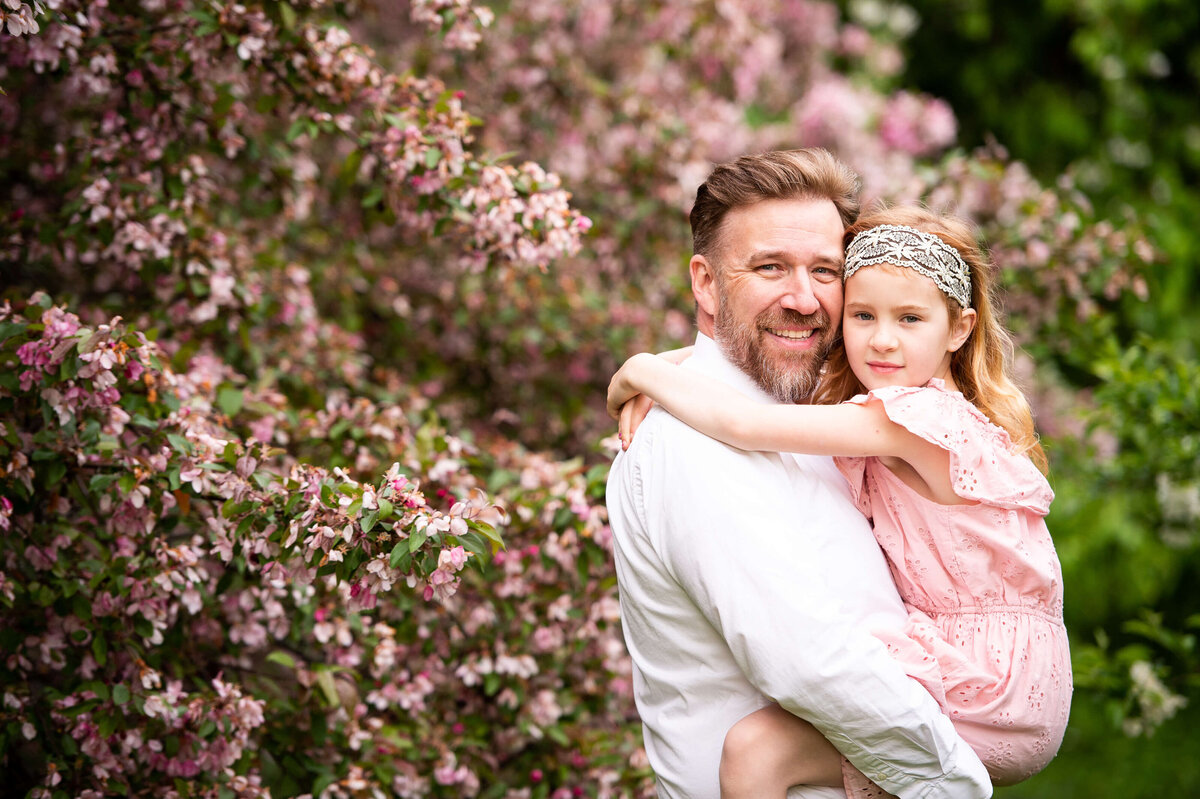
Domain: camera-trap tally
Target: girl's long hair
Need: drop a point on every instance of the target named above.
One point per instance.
(982, 367)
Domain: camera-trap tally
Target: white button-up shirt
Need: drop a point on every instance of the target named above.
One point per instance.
(747, 577)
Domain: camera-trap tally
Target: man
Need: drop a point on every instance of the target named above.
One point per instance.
(748, 578)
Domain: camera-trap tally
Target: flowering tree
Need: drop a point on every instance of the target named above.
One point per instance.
(213, 581)
(276, 320)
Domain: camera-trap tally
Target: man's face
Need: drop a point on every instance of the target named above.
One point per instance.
(776, 292)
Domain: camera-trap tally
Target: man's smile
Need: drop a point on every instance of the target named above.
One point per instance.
(795, 335)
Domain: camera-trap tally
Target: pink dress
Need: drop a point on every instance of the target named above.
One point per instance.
(981, 582)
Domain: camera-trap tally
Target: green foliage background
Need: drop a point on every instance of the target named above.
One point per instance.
(1106, 90)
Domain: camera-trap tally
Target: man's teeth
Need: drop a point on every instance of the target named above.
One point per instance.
(793, 334)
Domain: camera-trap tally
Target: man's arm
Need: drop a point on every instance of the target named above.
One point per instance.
(736, 542)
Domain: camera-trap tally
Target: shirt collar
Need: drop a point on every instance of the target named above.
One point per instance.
(708, 359)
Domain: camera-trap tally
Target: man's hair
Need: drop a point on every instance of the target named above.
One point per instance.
(778, 175)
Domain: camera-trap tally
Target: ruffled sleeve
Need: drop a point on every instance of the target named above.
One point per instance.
(983, 467)
(854, 469)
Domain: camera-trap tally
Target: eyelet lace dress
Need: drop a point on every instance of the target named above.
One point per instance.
(982, 584)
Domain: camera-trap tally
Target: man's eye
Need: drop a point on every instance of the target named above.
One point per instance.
(768, 267)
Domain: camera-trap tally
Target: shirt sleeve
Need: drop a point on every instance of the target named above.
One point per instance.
(746, 563)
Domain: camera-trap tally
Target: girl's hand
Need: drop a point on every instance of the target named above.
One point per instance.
(633, 413)
(626, 403)
(624, 386)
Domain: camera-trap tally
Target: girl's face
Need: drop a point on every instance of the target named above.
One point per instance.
(897, 329)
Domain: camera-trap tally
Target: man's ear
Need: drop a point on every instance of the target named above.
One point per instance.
(704, 284)
(962, 329)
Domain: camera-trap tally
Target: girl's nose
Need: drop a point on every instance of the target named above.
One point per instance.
(882, 340)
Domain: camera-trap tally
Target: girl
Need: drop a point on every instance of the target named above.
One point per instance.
(939, 449)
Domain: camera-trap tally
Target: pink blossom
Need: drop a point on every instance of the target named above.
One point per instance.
(455, 558)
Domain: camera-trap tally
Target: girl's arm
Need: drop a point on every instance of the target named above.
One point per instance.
(722, 413)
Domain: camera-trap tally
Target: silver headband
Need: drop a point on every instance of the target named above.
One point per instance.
(901, 245)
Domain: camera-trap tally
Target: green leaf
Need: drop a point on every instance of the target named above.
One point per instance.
(328, 688)
(120, 693)
(282, 658)
(474, 544)
(400, 557)
(368, 520)
(229, 400)
(298, 128)
(372, 197)
(556, 734)
(100, 650)
(488, 532)
(180, 443)
(69, 369)
(7, 329)
(143, 627)
(385, 508)
(323, 782)
(101, 481)
(416, 540)
(54, 472)
(491, 684)
(107, 724)
(287, 16)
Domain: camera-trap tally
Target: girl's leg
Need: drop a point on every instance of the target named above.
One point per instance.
(771, 750)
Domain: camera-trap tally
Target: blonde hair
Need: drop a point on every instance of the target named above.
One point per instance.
(982, 366)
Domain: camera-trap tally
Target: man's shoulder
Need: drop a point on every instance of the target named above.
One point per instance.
(664, 438)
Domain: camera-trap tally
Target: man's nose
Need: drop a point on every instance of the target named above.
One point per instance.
(799, 295)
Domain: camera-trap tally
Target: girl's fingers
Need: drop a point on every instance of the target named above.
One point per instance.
(632, 415)
(623, 424)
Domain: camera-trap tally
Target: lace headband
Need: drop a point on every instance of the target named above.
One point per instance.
(901, 245)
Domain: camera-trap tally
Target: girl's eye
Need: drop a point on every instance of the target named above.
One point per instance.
(910, 318)
(862, 316)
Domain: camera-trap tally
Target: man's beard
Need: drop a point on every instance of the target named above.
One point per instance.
(788, 377)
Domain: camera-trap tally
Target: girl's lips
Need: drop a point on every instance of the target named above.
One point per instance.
(885, 368)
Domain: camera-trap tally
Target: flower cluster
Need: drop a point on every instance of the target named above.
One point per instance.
(19, 18)
(127, 495)
(460, 21)
(1155, 702)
